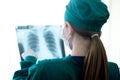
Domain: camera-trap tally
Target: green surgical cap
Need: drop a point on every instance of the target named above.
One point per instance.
(87, 15)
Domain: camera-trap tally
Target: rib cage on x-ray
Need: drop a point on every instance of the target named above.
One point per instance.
(50, 41)
(33, 41)
(44, 40)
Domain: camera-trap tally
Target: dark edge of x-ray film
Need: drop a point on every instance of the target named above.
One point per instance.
(21, 49)
(31, 36)
(62, 47)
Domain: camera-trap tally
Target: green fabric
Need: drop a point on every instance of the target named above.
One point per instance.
(86, 14)
(57, 69)
(114, 73)
(29, 60)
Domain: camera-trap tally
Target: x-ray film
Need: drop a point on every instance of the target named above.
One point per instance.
(44, 40)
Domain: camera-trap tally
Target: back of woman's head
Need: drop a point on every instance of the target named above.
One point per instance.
(87, 18)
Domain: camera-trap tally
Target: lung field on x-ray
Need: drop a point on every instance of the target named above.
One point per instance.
(33, 41)
(50, 41)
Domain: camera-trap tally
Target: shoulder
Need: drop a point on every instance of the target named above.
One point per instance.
(52, 65)
(53, 61)
(55, 64)
(113, 70)
(113, 66)
(111, 63)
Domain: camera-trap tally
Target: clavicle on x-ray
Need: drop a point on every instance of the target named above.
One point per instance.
(43, 40)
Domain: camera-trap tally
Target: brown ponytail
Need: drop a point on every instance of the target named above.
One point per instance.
(95, 64)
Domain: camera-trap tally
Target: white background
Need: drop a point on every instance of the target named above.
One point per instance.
(40, 12)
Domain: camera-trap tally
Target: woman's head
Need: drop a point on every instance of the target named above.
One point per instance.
(72, 35)
(86, 18)
(88, 15)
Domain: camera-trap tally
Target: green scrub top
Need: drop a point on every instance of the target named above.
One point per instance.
(57, 69)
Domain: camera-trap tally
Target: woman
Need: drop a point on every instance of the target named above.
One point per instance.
(88, 61)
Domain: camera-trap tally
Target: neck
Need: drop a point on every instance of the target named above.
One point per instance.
(78, 51)
(80, 46)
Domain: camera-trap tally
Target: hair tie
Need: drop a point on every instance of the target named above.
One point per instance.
(94, 35)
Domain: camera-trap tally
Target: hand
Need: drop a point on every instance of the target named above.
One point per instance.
(29, 52)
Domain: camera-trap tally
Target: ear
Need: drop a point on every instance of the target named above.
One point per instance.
(70, 28)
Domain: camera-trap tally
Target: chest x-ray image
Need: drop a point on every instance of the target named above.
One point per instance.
(44, 40)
